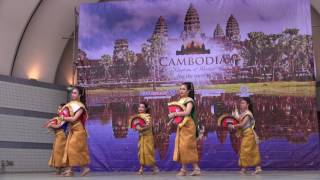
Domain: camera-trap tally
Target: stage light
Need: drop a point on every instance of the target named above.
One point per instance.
(69, 79)
(33, 73)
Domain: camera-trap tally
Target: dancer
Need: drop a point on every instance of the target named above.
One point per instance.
(146, 142)
(185, 150)
(76, 151)
(249, 155)
(59, 144)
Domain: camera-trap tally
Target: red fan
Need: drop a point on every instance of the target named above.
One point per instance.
(58, 120)
(137, 120)
(227, 120)
(65, 112)
(55, 121)
(176, 107)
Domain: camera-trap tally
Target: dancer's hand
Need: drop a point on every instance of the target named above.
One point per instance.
(235, 108)
(54, 126)
(138, 128)
(171, 115)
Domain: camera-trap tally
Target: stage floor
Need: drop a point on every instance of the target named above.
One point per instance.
(212, 175)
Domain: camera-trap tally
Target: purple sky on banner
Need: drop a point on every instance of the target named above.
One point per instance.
(102, 23)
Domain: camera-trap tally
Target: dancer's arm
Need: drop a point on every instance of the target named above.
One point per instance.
(75, 117)
(183, 113)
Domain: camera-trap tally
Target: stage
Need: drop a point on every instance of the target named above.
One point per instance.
(214, 59)
(212, 175)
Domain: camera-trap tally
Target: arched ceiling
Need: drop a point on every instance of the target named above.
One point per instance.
(31, 36)
(32, 46)
(316, 5)
(13, 19)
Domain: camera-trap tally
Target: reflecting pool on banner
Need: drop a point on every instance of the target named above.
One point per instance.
(287, 127)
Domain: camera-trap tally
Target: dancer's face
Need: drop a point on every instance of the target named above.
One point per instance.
(75, 94)
(183, 91)
(243, 105)
(142, 108)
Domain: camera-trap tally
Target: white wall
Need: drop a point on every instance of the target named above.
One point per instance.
(24, 108)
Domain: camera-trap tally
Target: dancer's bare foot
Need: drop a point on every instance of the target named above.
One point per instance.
(196, 172)
(85, 171)
(182, 172)
(140, 172)
(68, 173)
(155, 170)
(243, 171)
(257, 171)
(59, 172)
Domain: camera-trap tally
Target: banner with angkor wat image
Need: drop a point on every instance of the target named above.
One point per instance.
(141, 50)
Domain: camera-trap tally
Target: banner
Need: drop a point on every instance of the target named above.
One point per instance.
(141, 50)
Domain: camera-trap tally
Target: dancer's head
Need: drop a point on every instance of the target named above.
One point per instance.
(245, 104)
(143, 108)
(187, 90)
(60, 107)
(78, 94)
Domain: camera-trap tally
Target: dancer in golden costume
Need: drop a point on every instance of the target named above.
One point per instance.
(76, 151)
(59, 144)
(146, 142)
(249, 155)
(185, 149)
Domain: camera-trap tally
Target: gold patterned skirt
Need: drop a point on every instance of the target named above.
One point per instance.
(249, 154)
(59, 144)
(76, 151)
(146, 149)
(185, 149)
